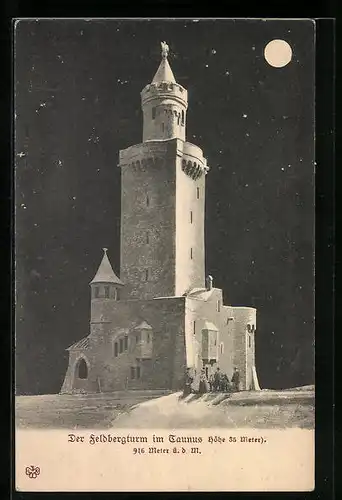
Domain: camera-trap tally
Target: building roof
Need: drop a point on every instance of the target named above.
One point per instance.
(209, 326)
(200, 293)
(143, 326)
(105, 273)
(164, 72)
(80, 344)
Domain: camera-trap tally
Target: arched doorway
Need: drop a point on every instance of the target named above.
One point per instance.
(82, 369)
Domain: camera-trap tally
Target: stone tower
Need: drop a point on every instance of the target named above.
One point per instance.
(105, 291)
(161, 316)
(163, 197)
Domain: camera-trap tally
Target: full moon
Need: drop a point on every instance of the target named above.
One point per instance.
(278, 53)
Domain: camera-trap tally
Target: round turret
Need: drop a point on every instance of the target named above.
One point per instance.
(164, 104)
(105, 284)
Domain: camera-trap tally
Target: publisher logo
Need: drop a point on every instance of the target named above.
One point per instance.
(32, 471)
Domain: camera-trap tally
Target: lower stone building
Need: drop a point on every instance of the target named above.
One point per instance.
(148, 344)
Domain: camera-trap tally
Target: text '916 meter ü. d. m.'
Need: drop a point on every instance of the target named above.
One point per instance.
(163, 315)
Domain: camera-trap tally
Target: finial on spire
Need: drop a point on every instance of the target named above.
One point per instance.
(105, 250)
(165, 49)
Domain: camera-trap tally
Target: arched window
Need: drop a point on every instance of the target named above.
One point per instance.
(198, 193)
(106, 289)
(82, 369)
(153, 113)
(183, 116)
(96, 292)
(116, 349)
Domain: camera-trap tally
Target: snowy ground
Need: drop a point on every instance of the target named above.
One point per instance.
(154, 409)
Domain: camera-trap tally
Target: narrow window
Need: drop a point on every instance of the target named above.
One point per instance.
(138, 371)
(148, 337)
(198, 193)
(207, 371)
(191, 253)
(82, 369)
(183, 116)
(147, 201)
(218, 306)
(163, 127)
(221, 348)
(132, 372)
(249, 341)
(146, 274)
(147, 238)
(106, 289)
(153, 113)
(97, 292)
(114, 293)
(137, 338)
(120, 346)
(194, 328)
(116, 349)
(125, 343)
(191, 218)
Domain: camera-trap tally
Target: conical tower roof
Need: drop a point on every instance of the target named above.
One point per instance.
(164, 72)
(105, 273)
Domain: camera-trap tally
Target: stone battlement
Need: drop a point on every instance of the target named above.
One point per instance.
(161, 90)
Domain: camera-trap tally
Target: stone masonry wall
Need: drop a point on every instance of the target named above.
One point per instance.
(148, 224)
(165, 368)
(243, 355)
(190, 245)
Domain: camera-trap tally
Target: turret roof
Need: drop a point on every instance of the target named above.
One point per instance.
(105, 273)
(164, 73)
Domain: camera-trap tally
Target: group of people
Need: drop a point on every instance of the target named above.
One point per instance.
(218, 382)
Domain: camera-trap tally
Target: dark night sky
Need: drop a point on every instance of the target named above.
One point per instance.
(78, 89)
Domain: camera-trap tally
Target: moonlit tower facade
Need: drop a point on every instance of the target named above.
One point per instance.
(162, 315)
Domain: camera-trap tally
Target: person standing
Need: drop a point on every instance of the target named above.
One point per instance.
(224, 383)
(217, 380)
(203, 383)
(236, 380)
(187, 383)
(211, 383)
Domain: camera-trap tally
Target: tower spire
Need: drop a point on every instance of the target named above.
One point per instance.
(105, 273)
